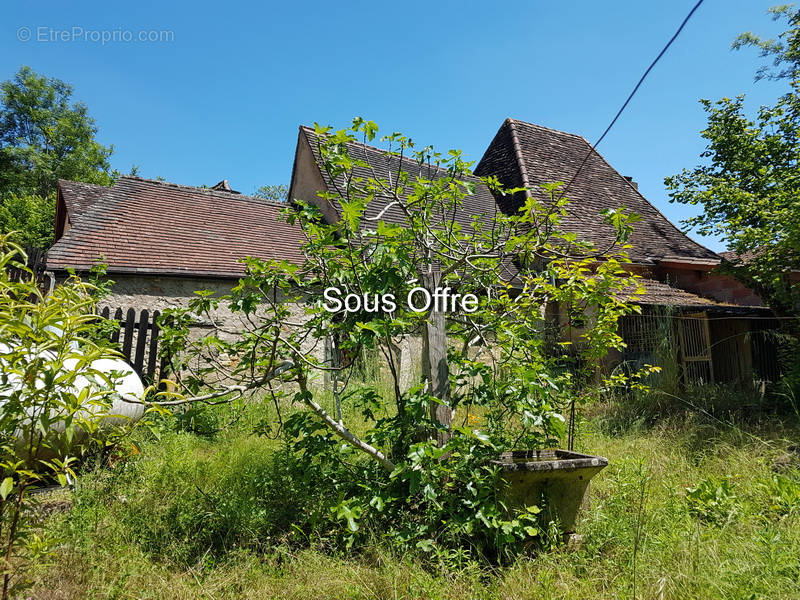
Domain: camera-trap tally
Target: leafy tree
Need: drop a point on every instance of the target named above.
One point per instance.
(415, 456)
(750, 184)
(30, 217)
(43, 137)
(784, 52)
(276, 193)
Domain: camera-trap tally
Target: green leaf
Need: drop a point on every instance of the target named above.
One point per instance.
(6, 487)
(531, 531)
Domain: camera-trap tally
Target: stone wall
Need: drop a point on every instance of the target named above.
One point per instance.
(160, 293)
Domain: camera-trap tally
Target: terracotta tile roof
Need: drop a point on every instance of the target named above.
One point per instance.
(527, 155)
(79, 196)
(480, 204)
(663, 294)
(748, 257)
(743, 258)
(145, 226)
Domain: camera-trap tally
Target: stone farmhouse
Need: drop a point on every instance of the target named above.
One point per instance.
(163, 241)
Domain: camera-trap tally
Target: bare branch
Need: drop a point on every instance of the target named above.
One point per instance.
(340, 429)
(209, 398)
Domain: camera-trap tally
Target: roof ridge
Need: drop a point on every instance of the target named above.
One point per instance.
(96, 185)
(523, 172)
(204, 190)
(391, 153)
(550, 129)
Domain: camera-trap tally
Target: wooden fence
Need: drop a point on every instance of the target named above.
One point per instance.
(138, 339)
(137, 335)
(36, 262)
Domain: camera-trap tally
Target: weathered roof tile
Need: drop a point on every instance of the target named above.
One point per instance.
(141, 225)
(385, 166)
(79, 196)
(527, 155)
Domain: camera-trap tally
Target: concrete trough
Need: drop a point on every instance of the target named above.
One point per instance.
(555, 480)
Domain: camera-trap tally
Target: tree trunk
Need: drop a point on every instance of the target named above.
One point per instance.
(435, 370)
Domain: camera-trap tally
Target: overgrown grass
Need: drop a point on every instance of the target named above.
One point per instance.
(695, 505)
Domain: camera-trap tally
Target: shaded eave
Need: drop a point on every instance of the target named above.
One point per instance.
(146, 271)
(688, 262)
(763, 312)
(62, 214)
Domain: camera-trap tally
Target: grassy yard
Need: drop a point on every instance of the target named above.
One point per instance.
(686, 509)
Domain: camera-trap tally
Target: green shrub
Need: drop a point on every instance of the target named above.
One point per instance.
(712, 500)
(783, 492)
(53, 397)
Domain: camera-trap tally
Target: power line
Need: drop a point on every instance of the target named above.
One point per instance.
(635, 89)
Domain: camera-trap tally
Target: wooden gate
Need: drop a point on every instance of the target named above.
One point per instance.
(695, 346)
(138, 339)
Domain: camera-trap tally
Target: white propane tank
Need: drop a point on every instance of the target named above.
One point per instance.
(128, 385)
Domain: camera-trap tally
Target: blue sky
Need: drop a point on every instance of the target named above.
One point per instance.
(224, 97)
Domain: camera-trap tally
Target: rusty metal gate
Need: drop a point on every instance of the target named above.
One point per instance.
(695, 349)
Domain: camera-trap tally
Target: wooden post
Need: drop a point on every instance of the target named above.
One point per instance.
(435, 369)
(127, 342)
(118, 318)
(152, 355)
(141, 341)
